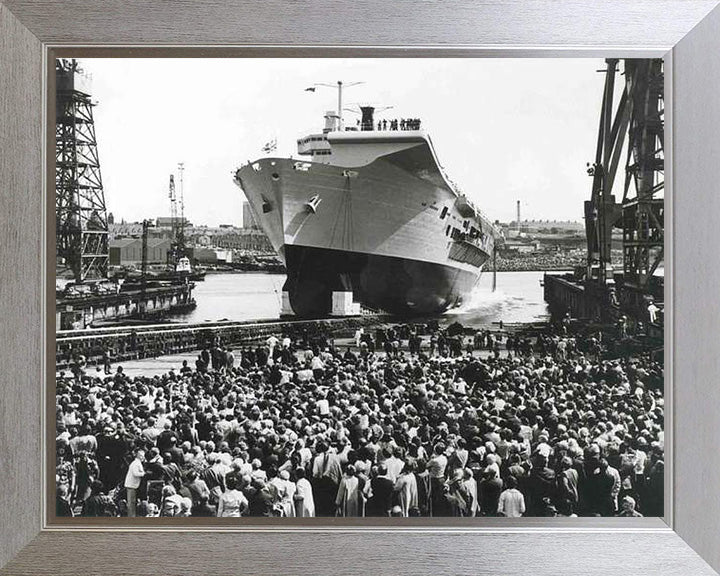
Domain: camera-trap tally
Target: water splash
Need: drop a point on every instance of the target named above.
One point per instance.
(482, 299)
(518, 299)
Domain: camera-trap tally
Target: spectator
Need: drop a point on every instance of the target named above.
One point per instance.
(233, 503)
(576, 423)
(134, 476)
(511, 503)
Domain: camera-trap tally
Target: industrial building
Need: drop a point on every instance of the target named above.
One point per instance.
(169, 222)
(247, 240)
(128, 251)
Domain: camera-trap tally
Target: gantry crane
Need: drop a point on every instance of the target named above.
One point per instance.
(633, 124)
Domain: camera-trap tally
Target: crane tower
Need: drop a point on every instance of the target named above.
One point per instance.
(177, 248)
(631, 126)
(80, 212)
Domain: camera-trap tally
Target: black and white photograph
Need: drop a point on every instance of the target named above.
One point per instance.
(358, 288)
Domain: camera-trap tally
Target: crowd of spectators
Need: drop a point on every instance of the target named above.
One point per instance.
(540, 261)
(396, 124)
(446, 423)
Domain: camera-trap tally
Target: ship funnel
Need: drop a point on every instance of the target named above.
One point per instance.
(367, 122)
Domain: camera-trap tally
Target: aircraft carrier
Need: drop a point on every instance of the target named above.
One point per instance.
(367, 218)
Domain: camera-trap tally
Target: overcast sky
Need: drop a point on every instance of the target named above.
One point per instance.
(504, 129)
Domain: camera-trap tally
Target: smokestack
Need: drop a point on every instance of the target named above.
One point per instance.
(518, 216)
(368, 122)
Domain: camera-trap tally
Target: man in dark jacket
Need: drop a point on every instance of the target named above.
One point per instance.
(380, 503)
(538, 485)
(490, 489)
(111, 454)
(263, 501)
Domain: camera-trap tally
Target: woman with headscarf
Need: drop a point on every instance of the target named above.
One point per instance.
(185, 507)
(407, 491)
(64, 480)
(457, 495)
(171, 502)
(286, 491)
(470, 486)
(303, 497)
(348, 500)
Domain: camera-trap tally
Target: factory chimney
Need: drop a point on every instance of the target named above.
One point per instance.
(518, 216)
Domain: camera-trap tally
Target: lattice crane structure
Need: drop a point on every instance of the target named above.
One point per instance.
(178, 248)
(81, 215)
(631, 127)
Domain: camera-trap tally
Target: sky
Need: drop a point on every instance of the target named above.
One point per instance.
(503, 129)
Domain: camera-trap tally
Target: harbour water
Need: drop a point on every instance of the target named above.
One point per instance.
(253, 296)
(518, 299)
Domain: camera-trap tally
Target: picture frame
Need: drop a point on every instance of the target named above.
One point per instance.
(683, 32)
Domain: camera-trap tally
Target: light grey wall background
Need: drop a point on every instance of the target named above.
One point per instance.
(696, 114)
(392, 553)
(21, 171)
(371, 22)
(652, 23)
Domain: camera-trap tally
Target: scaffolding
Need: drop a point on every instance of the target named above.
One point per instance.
(81, 216)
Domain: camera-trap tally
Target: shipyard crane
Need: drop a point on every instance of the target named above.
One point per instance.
(172, 254)
(631, 126)
(177, 247)
(81, 217)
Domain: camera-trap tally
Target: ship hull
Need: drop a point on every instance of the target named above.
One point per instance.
(390, 231)
(394, 285)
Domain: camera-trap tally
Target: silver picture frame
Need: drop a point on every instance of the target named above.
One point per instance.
(684, 32)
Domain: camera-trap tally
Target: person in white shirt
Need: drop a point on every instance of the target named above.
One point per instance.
(393, 464)
(272, 341)
(512, 502)
(303, 497)
(470, 485)
(652, 311)
(323, 406)
(232, 503)
(318, 368)
(133, 478)
(460, 387)
(616, 484)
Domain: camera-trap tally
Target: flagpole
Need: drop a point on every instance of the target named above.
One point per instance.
(340, 118)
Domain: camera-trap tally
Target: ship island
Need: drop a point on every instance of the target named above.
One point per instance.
(367, 219)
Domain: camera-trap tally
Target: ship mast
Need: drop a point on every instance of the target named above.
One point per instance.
(339, 87)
